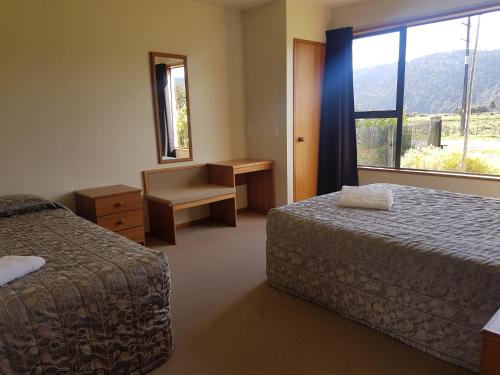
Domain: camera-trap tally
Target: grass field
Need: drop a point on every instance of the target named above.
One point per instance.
(376, 140)
(483, 145)
(481, 125)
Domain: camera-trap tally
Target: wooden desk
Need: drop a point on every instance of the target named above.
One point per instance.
(257, 174)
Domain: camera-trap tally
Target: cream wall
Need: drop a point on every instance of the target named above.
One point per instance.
(75, 99)
(264, 45)
(376, 12)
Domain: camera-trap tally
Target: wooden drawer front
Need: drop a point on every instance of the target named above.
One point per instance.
(118, 203)
(121, 221)
(134, 234)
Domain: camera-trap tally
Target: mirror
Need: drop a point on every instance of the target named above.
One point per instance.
(171, 105)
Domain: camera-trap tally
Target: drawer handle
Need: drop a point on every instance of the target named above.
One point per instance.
(119, 204)
(121, 221)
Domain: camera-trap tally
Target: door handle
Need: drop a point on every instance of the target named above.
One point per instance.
(300, 139)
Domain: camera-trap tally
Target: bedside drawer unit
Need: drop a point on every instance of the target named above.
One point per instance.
(118, 203)
(134, 234)
(122, 220)
(118, 208)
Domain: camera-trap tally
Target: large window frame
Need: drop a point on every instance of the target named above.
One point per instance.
(398, 112)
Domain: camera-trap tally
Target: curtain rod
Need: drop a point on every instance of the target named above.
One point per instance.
(428, 19)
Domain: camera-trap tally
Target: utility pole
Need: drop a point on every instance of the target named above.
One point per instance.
(466, 78)
(469, 99)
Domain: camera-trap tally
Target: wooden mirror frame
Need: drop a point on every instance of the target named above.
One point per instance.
(152, 56)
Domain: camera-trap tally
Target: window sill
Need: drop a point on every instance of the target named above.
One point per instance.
(432, 173)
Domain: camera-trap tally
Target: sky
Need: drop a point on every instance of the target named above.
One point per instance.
(177, 72)
(426, 40)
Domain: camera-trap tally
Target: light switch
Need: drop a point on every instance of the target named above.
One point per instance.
(276, 132)
(249, 131)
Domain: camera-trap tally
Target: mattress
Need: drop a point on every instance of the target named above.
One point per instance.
(427, 272)
(100, 305)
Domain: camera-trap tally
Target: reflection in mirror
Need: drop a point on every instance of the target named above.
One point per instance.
(171, 104)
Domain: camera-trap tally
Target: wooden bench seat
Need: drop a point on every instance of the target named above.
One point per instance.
(172, 189)
(190, 193)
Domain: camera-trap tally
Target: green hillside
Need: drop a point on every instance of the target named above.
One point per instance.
(434, 83)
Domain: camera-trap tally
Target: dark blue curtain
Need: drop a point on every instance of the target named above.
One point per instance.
(337, 142)
(162, 74)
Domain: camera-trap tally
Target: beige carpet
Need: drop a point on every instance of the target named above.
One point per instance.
(227, 320)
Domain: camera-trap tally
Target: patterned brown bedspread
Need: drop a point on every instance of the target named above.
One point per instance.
(100, 305)
(427, 272)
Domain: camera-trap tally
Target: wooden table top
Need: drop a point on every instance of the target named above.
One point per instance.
(492, 328)
(107, 191)
(243, 163)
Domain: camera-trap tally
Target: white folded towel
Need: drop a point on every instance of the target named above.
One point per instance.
(14, 266)
(364, 197)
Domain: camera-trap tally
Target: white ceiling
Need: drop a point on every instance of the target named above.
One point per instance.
(245, 4)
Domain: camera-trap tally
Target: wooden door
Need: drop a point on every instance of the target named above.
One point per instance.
(308, 63)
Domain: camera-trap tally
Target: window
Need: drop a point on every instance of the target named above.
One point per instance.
(376, 141)
(384, 65)
(427, 97)
(179, 108)
(377, 110)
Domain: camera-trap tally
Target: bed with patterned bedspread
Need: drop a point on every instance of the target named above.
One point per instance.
(427, 272)
(100, 305)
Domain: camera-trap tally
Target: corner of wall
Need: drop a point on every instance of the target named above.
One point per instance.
(269, 30)
(235, 89)
(264, 51)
